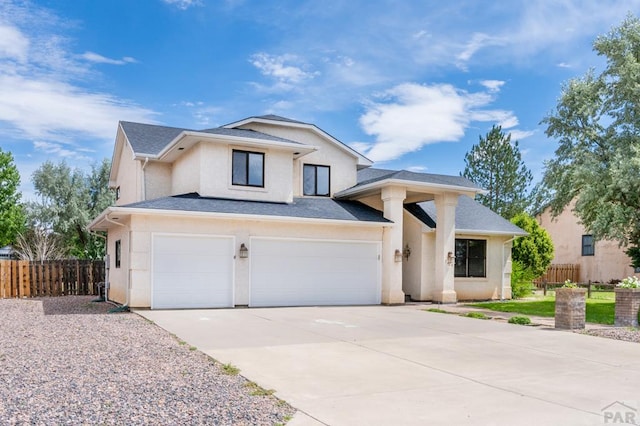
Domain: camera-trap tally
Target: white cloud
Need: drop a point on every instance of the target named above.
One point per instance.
(13, 44)
(99, 59)
(518, 135)
(281, 67)
(183, 4)
(492, 85)
(60, 150)
(478, 41)
(417, 169)
(42, 95)
(563, 65)
(413, 115)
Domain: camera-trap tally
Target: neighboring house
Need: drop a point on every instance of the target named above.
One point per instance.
(6, 253)
(600, 261)
(269, 211)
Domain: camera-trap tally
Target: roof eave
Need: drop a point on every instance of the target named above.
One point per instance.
(356, 190)
(189, 213)
(492, 232)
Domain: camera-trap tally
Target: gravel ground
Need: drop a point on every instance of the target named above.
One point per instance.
(618, 333)
(66, 361)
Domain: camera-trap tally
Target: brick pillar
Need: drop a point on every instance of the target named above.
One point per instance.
(627, 305)
(570, 308)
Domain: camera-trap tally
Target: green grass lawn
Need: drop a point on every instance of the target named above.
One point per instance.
(600, 307)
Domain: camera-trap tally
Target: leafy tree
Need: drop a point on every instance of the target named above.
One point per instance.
(535, 251)
(496, 165)
(597, 125)
(12, 216)
(521, 280)
(69, 200)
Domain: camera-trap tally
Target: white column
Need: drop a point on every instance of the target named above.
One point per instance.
(445, 244)
(392, 198)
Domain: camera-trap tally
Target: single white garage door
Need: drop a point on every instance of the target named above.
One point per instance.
(192, 272)
(313, 272)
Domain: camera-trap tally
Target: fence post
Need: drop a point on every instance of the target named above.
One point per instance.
(589, 290)
(544, 287)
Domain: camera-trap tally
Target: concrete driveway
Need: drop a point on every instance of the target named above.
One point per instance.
(380, 365)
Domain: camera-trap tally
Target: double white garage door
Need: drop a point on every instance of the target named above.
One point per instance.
(198, 272)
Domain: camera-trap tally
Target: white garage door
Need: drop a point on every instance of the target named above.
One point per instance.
(312, 272)
(192, 272)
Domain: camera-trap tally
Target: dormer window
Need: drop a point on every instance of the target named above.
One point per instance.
(248, 168)
(316, 180)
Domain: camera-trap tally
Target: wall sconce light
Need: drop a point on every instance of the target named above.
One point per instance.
(451, 259)
(406, 252)
(244, 251)
(398, 256)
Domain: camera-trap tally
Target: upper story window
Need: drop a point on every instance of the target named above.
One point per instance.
(316, 180)
(247, 168)
(588, 248)
(471, 258)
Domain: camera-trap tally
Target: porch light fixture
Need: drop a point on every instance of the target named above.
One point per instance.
(406, 252)
(398, 256)
(244, 251)
(451, 259)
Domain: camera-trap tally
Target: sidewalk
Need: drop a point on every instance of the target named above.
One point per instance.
(463, 309)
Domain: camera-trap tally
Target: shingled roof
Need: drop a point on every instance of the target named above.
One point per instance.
(312, 208)
(471, 216)
(152, 139)
(371, 175)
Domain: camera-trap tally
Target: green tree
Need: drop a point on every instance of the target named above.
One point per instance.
(597, 125)
(12, 218)
(535, 251)
(69, 200)
(496, 165)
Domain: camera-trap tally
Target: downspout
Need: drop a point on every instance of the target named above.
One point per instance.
(144, 186)
(504, 263)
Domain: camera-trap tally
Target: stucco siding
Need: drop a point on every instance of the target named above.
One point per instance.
(488, 287)
(143, 227)
(343, 165)
(609, 261)
(128, 177)
(157, 177)
(185, 177)
(118, 277)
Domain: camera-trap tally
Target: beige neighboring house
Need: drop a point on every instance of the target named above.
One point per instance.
(600, 261)
(269, 211)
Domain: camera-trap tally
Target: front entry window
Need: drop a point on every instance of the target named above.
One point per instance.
(471, 258)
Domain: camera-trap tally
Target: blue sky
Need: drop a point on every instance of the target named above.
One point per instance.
(411, 84)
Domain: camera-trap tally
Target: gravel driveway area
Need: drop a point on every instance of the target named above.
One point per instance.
(66, 361)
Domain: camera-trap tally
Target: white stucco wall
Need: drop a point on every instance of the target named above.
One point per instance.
(206, 169)
(343, 165)
(143, 227)
(609, 261)
(118, 277)
(157, 178)
(128, 177)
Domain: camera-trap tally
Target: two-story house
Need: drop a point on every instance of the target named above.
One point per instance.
(269, 211)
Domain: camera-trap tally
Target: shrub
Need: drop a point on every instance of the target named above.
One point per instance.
(478, 315)
(436, 310)
(569, 284)
(629, 282)
(519, 320)
(521, 280)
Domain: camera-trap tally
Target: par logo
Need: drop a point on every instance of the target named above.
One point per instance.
(620, 413)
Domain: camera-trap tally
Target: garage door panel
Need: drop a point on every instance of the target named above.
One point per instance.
(192, 272)
(299, 272)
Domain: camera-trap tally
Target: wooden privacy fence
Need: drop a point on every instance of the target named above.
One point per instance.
(23, 278)
(559, 274)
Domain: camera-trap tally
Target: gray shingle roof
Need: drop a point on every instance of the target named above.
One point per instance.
(370, 175)
(315, 208)
(152, 139)
(470, 216)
